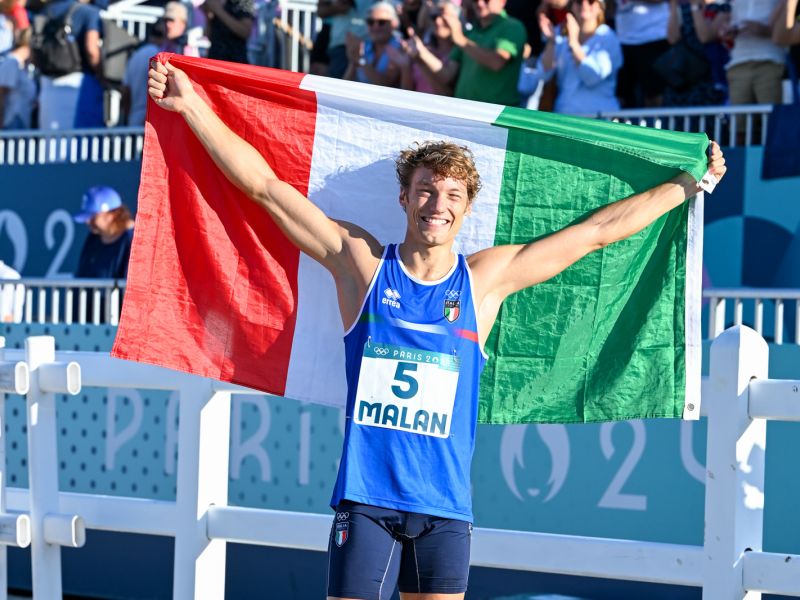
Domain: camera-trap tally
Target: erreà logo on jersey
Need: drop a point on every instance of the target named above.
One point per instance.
(391, 297)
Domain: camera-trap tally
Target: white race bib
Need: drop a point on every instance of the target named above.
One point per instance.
(406, 389)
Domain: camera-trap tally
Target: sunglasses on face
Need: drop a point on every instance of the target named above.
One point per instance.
(379, 22)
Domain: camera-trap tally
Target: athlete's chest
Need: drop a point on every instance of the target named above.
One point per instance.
(444, 304)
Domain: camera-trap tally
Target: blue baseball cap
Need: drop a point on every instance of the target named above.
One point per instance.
(97, 199)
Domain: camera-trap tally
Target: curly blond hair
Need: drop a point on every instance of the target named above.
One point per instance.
(445, 159)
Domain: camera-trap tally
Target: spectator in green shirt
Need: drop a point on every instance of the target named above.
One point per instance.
(485, 62)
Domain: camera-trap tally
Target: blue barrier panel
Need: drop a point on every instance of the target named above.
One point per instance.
(638, 480)
(38, 237)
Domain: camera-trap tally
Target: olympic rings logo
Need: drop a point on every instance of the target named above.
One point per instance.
(342, 516)
(381, 351)
(452, 294)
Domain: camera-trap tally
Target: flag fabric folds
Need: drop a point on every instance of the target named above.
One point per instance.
(215, 288)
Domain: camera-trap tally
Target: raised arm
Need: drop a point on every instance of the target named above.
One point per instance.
(347, 251)
(503, 270)
(491, 58)
(443, 74)
(786, 30)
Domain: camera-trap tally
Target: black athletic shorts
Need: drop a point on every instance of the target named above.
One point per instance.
(371, 550)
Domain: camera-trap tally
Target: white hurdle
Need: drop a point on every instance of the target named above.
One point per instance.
(737, 398)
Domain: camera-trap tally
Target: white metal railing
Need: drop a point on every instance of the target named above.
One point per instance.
(133, 16)
(53, 301)
(101, 145)
(95, 301)
(25, 147)
(744, 125)
(298, 24)
(755, 301)
(738, 399)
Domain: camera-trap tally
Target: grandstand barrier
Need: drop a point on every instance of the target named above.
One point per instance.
(737, 398)
(99, 301)
(120, 144)
(777, 299)
(100, 145)
(295, 26)
(133, 16)
(54, 301)
(731, 126)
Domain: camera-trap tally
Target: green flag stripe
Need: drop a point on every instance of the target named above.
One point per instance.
(605, 340)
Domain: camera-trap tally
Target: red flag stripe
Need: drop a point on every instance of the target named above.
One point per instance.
(211, 277)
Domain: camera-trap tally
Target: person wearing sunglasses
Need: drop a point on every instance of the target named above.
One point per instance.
(486, 61)
(368, 60)
(584, 55)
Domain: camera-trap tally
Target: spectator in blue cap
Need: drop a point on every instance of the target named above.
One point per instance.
(107, 248)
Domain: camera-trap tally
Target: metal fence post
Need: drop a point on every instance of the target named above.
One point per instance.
(734, 504)
(203, 447)
(49, 529)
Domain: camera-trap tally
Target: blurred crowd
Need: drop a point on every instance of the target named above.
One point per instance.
(63, 62)
(567, 56)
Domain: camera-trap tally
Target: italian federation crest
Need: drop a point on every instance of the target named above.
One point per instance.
(452, 308)
(342, 533)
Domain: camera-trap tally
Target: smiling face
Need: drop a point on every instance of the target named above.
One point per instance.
(435, 207)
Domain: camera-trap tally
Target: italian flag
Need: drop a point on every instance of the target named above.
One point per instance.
(215, 288)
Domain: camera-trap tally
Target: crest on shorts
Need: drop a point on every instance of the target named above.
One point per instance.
(342, 533)
(452, 308)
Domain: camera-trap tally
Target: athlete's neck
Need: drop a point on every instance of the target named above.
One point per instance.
(427, 263)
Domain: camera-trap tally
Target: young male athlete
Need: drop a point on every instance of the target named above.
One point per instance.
(402, 497)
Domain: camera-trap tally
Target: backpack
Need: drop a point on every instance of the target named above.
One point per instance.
(54, 46)
(117, 47)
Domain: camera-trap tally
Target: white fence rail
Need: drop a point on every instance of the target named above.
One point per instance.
(737, 398)
(120, 144)
(99, 301)
(133, 16)
(739, 306)
(291, 26)
(743, 125)
(99, 145)
(54, 301)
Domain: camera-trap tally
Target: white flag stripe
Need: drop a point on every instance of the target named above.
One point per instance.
(352, 178)
(397, 102)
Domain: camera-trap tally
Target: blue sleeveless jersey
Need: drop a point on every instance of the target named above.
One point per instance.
(413, 371)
